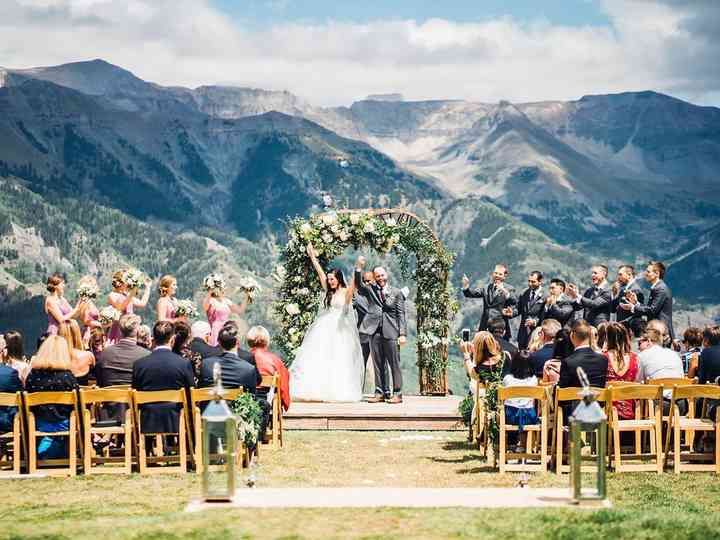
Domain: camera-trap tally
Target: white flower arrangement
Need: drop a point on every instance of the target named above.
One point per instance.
(369, 227)
(214, 282)
(87, 290)
(108, 315)
(329, 219)
(355, 218)
(292, 309)
(133, 278)
(186, 308)
(279, 274)
(250, 286)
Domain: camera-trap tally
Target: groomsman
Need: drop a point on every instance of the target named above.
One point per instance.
(596, 301)
(660, 305)
(498, 298)
(557, 305)
(627, 282)
(360, 303)
(531, 308)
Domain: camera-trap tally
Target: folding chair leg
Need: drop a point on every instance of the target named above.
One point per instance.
(616, 449)
(543, 444)
(87, 444)
(676, 449)
(502, 448)
(72, 444)
(32, 445)
(142, 457)
(183, 445)
(657, 434)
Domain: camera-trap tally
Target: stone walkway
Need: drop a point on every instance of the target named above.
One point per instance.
(396, 497)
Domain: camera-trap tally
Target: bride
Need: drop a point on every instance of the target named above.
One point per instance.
(329, 363)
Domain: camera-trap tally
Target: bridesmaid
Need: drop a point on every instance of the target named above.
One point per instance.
(125, 301)
(89, 312)
(218, 309)
(167, 303)
(57, 307)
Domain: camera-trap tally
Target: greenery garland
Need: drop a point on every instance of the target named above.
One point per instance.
(299, 291)
(249, 416)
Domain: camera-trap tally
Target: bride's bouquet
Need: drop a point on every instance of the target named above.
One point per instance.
(87, 290)
(133, 278)
(214, 282)
(250, 286)
(108, 315)
(186, 308)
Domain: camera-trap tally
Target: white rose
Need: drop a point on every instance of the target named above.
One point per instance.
(369, 227)
(328, 219)
(327, 238)
(344, 236)
(391, 222)
(354, 219)
(292, 309)
(305, 229)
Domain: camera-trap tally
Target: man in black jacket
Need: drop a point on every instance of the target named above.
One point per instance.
(498, 299)
(596, 301)
(235, 371)
(593, 363)
(660, 305)
(626, 282)
(557, 306)
(200, 343)
(161, 370)
(531, 308)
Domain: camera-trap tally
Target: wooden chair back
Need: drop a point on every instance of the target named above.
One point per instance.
(574, 393)
(696, 391)
(34, 399)
(669, 382)
(274, 432)
(11, 455)
(529, 392)
(540, 395)
(635, 391)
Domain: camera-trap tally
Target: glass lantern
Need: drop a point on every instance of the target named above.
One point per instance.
(588, 423)
(219, 446)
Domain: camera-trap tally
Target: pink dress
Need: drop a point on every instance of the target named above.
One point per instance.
(54, 324)
(170, 310)
(217, 317)
(115, 335)
(91, 315)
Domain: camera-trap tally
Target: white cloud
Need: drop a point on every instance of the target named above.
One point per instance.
(651, 45)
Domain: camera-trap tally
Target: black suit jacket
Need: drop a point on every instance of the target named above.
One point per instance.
(596, 304)
(494, 301)
(709, 365)
(660, 306)
(628, 318)
(562, 311)
(236, 372)
(199, 346)
(594, 364)
(529, 308)
(161, 370)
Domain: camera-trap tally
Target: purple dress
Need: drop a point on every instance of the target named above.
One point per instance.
(217, 317)
(54, 324)
(91, 315)
(170, 310)
(115, 335)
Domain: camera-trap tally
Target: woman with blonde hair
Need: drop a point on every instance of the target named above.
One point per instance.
(167, 303)
(57, 307)
(80, 360)
(89, 313)
(50, 371)
(535, 343)
(219, 307)
(125, 300)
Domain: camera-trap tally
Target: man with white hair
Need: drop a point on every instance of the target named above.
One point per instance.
(200, 343)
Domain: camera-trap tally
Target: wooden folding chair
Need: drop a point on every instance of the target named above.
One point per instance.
(539, 394)
(35, 399)
(274, 432)
(161, 396)
(678, 423)
(197, 397)
(11, 449)
(90, 403)
(668, 383)
(561, 430)
(648, 418)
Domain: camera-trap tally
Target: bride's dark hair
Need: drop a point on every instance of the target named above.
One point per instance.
(341, 283)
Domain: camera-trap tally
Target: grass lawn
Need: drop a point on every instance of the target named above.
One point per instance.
(646, 505)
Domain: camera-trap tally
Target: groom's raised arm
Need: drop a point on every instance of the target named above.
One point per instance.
(359, 285)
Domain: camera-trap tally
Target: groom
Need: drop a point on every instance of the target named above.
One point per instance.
(385, 327)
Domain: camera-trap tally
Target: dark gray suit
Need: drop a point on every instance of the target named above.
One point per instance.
(360, 303)
(629, 319)
(116, 362)
(494, 301)
(562, 311)
(529, 306)
(383, 324)
(660, 306)
(596, 304)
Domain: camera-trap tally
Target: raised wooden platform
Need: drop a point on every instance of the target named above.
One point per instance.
(415, 413)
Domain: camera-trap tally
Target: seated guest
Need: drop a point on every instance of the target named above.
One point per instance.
(535, 341)
(658, 362)
(520, 411)
(96, 344)
(235, 371)
(562, 348)
(117, 361)
(199, 345)
(548, 330)
(484, 362)
(497, 328)
(593, 363)
(144, 337)
(81, 361)
(709, 362)
(9, 383)
(660, 326)
(268, 363)
(622, 364)
(14, 354)
(161, 370)
(693, 343)
(182, 339)
(50, 371)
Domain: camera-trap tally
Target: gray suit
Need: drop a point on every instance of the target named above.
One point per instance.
(660, 306)
(116, 362)
(383, 324)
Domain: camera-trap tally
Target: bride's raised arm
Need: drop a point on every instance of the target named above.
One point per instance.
(316, 265)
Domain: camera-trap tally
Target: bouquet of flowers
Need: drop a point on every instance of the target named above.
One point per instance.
(213, 282)
(250, 286)
(249, 415)
(87, 290)
(186, 308)
(133, 278)
(108, 315)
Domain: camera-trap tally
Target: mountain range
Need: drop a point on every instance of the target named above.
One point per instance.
(548, 185)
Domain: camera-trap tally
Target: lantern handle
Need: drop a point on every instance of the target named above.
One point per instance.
(587, 393)
(218, 390)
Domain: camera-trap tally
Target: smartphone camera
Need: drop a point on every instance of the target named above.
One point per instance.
(466, 334)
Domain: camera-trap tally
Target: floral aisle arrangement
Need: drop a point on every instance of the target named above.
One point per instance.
(186, 308)
(249, 416)
(332, 233)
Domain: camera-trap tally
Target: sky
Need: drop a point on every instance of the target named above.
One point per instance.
(334, 52)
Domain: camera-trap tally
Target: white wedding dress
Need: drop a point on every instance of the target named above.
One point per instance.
(329, 363)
